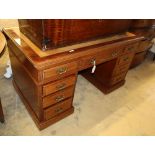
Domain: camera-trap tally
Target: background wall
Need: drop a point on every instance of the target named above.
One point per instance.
(8, 23)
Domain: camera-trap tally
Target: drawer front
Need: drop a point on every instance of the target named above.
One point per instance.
(144, 45)
(57, 109)
(60, 71)
(58, 85)
(121, 69)
(125, 59)
(99, 57)
(118, 78)
(130, 48)
(138, 58)
(57, 97)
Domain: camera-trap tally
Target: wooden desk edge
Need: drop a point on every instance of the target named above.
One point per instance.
(39, 62)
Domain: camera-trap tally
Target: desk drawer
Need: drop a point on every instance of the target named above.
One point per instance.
(58, 85)
(121, 69)
(58, 97)
(60, 71)
(138, 58)
(118, 78)
(99, 57)
(130, 48)
(57, 109)
(144, 45)
(126, 59)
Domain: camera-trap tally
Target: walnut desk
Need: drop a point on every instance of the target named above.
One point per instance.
(46, 81)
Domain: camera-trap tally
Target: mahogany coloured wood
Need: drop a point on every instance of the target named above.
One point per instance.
(121, 69)
(111, 74)
(42, 74)
(25, 83)
(144, 45)
(125, 59)
(100, 85)
(57, 97)
(130, 48)
(142, 23)
(58, 85)
(41, 124)
(52, 33)
(138, 59)
(57, 109)
(145, 28)
(42, 60)
(1, 113)
(60, 71)
(118, 78)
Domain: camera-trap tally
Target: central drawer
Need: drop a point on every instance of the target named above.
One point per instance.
(144, 45)
(57, 109)
(126, 59)
(58, 97)
(131, 48)
(100, 55)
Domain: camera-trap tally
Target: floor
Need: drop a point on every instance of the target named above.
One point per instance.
(130, 110)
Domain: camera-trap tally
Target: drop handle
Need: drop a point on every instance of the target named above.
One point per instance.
(59, 110)
(61, 86)
(62, 70)
(59, 98)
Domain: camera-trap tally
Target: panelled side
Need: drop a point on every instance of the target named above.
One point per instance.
(23, 78)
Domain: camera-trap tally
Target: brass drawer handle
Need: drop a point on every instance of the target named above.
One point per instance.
(62, 70)
(130, 48)
(114, 54)
(59, 98)
(126, 59)
(59, 110)
(60, 87)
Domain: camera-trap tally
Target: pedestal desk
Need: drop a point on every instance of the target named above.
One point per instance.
(46, 81)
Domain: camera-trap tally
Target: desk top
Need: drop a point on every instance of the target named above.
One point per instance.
(41, 58)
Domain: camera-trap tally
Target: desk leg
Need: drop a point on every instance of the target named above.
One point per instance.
(1, 113)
